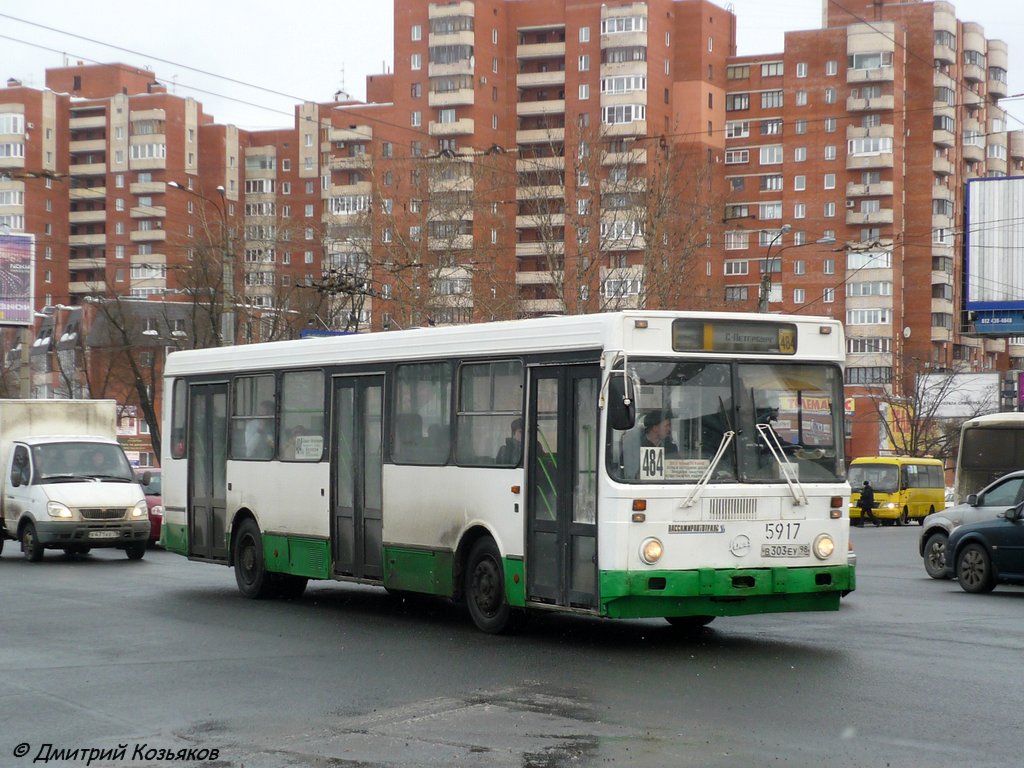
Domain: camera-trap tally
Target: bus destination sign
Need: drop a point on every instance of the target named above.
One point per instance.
(733, 336)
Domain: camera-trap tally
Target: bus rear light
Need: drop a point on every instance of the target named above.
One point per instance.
(836, 502)
(639, 505)
(835, 514)
(639, 517)
(516, 489)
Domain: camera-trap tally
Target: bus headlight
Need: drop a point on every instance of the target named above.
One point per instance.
(651, 551)
(824, 546)
(56, 509)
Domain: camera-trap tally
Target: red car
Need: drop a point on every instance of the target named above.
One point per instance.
(153, 499)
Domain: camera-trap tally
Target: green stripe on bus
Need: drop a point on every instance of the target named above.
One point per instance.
(419, 570)
(297, 556)
(174, 537)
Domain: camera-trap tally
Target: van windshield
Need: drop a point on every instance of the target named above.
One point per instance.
(68, 462)
(884, 478)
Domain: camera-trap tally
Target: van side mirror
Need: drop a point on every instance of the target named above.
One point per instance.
(147, 478)
(20, 475)
(621, 401)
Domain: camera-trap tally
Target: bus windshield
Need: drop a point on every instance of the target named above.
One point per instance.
(884, 478)
(686, 409)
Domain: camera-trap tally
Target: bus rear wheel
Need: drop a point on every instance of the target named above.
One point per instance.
(250, 572)
(485, 588)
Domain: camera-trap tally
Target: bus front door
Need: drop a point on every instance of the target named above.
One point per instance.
(207, 461)
(356, 463)
(561, 555)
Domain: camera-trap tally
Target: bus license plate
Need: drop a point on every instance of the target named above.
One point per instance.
(785, 550)
(103, 534)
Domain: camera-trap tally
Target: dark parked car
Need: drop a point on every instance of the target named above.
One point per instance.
(991, 552)
(993, 500)
(154, 500)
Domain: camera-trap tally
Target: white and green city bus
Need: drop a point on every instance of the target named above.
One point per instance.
(389, 459)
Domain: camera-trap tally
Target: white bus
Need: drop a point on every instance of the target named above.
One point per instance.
(990, 446)
(391, 459)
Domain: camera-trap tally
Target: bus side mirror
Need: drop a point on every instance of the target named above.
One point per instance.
(621, 401)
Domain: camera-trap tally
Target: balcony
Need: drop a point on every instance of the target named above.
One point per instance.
(877, 131)
(540, 277)
(87, 217)
(148, 212)
(879, 189)
(624, 40)
(461, 8)
(553, 79)
(551, 191)
(461, 67)
(461, 37)
(877, 104)
(868, 162)
(540, 164)
(88, 169)
(76, 265)
(942, 193)
(973, 153)
(551, 247)
(539, 108)
(942, 138)
(84, 147)
(997, 89)
(540, 221)
(630, 157)
(858, 219)
(945, 54)
(541, 136)
(636, 128)
(84, 123)
(359, 188)
(87, 287)
(876, 75)
(464, 126)
(87, 193)
(975, 73)
(147, 187)
(147, 235)
(357, 133)
(942, 166)
(541, 51)
(454, 243)
(357, 163)
(463, 97)
(77, 241)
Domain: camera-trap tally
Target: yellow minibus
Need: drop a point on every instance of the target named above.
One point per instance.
(906, 488)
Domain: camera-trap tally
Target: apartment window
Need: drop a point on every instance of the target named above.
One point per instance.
(737, 102)
(737, 267)
(828, 267)
(771, 155)
(870, 206)
(737, 129)
(830, 181)
(736, 183)
(417, 119)
(286, 165)
(800, 127)
(799, 211)
(772, 183)
(799, 266)
(446, 116)
(771, 127)
(736, 156)
(798, 295)
(494, 65)
(584, 34)
(799, 183)
(830, 125)
(801, 98)
(801, 69)
(771, 99)
(416, 61)
(308, 211)
(494, 36)
(800, 154)
(737, 241)
(831, 67)
(768, 211)
(829, 210)
(737, 72)
(830, 95)
(771, 69)
(584, 63)
(830, 151)
(584, 92)
(736, 293)
(829, 295)
(417, 32)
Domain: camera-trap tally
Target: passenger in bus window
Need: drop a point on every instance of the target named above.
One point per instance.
(658, 433)
(259, 433)
(509, 453)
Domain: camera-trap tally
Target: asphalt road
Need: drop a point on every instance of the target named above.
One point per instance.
(164, 654)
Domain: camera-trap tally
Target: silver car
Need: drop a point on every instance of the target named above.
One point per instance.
(1007, 491)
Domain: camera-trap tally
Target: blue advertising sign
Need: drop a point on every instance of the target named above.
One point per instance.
(17, 257)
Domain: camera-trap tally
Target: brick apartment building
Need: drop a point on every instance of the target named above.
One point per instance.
(527, 157)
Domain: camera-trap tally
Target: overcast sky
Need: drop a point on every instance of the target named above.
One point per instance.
(250, 68)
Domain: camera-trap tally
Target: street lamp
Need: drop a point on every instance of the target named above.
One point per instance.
(766, 275)
(227, 314)
(765, 279)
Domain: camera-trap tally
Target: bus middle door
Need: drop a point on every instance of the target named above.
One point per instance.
(561, 554)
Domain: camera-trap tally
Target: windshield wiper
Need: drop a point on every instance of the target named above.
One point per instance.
(786, 467)
(64, 478)
(727, 437)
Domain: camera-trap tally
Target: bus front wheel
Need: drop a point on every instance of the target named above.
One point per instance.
(485, 588)
(250, 573)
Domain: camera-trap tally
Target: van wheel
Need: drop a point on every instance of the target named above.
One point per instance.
(250, 572)
(30, 545)
(904, 517)
(136, 550)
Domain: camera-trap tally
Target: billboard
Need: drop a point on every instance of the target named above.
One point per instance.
(17, 257)
(994, 245)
